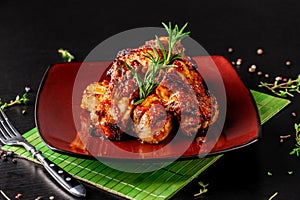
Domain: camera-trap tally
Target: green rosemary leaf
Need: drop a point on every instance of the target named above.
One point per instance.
(158, 62)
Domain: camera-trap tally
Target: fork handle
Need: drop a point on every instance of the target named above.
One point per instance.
(60, 175)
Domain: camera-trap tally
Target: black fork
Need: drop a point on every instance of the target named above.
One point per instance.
(9, 135)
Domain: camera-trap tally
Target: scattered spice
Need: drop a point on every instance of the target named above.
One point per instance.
(278, 78)
(259, 51)
(203, 188)
(27, 89)
(239, 61)
(252, 68)
(288, 63)
(274, 195)
(259, 73)
(24, 112)
(19, 196)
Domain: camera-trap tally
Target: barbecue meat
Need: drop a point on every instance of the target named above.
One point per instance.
(152, 123)
(181, 94)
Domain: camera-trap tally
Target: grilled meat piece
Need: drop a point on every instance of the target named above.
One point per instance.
(184, 93)
(152, 123)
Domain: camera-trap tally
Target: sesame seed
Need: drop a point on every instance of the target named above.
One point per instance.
(278, 78)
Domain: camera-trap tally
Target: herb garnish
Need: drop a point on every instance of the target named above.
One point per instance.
(283, 89)
(66, 55)
(203, 188)
(296, 150)
(18, 100)
(159, 59)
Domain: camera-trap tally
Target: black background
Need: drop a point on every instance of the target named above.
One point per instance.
(32, 31)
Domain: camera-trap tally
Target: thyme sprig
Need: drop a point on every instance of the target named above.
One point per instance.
(202, 190)
(296, 150)
(283, 89)
(18, 100)
(159, 59)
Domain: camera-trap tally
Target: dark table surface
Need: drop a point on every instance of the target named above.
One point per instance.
(32, 31)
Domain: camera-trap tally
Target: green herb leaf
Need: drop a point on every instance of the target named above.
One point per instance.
(203, 188)
(147, 84)
(18, 100)
(66, 55)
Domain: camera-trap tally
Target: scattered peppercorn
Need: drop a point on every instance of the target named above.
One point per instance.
(239, 61)
(278, 78)
(251, 70)
(27, 89)
(230, 50)
(288, 63)
(19, 196)
(259, 51)
(259, 73)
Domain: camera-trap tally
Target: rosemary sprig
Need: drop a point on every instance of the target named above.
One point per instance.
(283, 89)
(18, 100)
(296, 150)
(159, 59)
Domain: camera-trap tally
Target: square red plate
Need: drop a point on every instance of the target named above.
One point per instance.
(64, 129)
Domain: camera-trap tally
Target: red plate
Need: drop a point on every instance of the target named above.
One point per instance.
(64, 127)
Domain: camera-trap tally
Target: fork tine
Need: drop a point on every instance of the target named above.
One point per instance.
(3, 136)
(10, 129)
